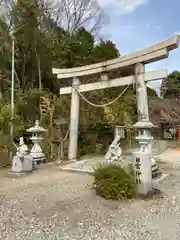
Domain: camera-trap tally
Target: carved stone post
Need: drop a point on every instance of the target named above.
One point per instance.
(74, 121)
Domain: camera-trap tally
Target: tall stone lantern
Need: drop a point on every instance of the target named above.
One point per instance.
(142, 159)
(36, 151)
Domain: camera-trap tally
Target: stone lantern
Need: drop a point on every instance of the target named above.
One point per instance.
(144, 164)
(36, 151)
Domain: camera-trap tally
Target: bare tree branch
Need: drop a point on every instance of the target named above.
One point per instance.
(73, 14)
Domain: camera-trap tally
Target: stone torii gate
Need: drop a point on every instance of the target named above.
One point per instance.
(136, 61)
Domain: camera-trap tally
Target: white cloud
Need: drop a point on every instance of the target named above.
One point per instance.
(128, 6)
(123, 6)
(148, 26)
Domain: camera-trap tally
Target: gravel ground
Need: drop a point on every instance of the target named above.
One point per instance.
(51, 204)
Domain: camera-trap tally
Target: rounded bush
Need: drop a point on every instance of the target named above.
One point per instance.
(113, 183)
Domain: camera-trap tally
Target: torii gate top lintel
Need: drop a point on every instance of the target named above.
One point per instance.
(151, 54)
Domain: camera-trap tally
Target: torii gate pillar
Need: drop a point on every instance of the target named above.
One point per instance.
(141, 89)
(74, 121)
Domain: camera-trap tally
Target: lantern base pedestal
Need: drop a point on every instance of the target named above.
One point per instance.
(38, 158)
(143, 172)
(37, 154)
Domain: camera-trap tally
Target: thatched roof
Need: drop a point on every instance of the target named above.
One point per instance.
(164, 111)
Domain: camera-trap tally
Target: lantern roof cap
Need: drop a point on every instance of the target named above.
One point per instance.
(37, 128)
(144, 123)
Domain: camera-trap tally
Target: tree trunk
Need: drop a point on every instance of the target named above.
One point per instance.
(1, 94)
(1, 90)
(39, 70)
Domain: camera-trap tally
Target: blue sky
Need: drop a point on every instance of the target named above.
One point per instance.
(136, 24)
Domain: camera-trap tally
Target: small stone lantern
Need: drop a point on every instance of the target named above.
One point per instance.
(36, 151)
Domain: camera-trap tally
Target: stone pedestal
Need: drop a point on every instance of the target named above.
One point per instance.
(27, 163)
(143, 172)
(17, 164)
(22, 164)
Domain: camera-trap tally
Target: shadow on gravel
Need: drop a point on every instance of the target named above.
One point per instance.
(154, 194)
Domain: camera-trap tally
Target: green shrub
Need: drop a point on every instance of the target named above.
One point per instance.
(113, 183)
